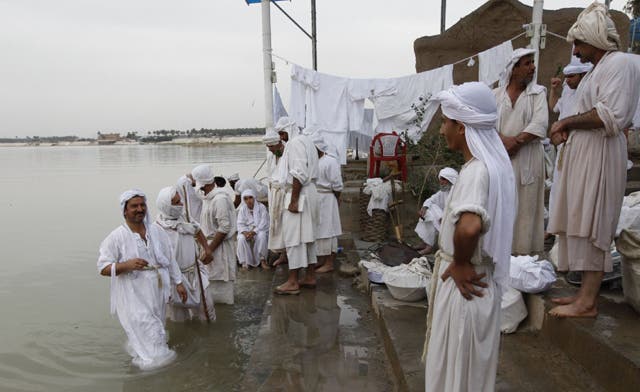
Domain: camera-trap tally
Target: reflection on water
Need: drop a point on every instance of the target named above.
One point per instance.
(58, 204)
(312, 342)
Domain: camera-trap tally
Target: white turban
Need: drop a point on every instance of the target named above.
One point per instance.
(595, 27)
(203, 175)
(576, 67)
(319, 142)
(505, 75)
(449, 174)
(474, 105)
(271, 138)
(288, 125)
(130, 194)
(234, 177)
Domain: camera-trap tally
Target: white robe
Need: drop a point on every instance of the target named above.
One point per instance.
(276, 203)
(429, 226)
(185, 252)
(328, 226)
(530, 114)
(139, 297)
(219, 215)
(194, 203)
(463, 336)
(300, 161)
(256, 220)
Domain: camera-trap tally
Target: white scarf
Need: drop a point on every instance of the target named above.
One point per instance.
(171, 216)
(474, 105)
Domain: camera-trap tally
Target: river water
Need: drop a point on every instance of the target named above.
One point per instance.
(57, 204)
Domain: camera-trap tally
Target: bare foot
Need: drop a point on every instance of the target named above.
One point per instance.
(288, 288)
(245, 267)
(324, 268)
(309, 283)
(280, 260)
(264, 265)
(574, 310)
(427, 249)
(564, 300)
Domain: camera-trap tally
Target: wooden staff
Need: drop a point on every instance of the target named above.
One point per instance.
(204, 301)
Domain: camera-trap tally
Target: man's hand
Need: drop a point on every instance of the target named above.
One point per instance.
(182, 292)
(465, 278)
(556, 83)
(511, 144)
(293, 206)
(422, 211)
(135, 264)
(558, 133)
(206, 256)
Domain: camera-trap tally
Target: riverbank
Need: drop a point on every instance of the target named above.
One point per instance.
(181, 141)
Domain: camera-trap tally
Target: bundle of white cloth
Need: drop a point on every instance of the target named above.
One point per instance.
(380, 192)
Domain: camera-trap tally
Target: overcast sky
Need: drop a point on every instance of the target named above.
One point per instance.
(75, 67)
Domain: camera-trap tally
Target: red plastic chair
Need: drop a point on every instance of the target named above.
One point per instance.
(387, 147)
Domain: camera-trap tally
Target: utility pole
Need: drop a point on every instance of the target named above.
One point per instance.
(536, 23)
(314, 36)
(443, 15)
(267, 63)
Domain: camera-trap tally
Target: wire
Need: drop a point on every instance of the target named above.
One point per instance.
(551, 33)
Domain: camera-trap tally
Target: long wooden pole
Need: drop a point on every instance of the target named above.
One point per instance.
(204, 301)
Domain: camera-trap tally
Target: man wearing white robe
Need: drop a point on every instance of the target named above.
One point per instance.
(430, 214)
(523, 118)
(187, 189)
(472, 265)
(184, 238)
(276, 148)
(138, 259)
(592, 166)
(299, 171)
(218, 223)
(253, 231)
(564, 105)
(329, 186)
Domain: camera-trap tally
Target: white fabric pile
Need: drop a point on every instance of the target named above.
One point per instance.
(380, 194)
(530, 275)
(409, 282)
(375, 269)
(629, 214)
(512, 310)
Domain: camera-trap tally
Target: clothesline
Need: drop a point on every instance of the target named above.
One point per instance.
(551, 33)
(476, 55)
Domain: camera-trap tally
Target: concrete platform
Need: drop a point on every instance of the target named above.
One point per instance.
(325, 339)
(527, 362)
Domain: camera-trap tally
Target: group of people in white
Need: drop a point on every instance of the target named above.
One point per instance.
(494, 207)
(185, 261)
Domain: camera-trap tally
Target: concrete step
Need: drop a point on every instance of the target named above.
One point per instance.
(527, 362)
(632, 186)
(608, 347)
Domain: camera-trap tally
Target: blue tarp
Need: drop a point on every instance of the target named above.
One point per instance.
(634, 35)
(249, 2)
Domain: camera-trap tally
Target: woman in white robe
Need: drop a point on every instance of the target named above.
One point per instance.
(253, 231)
(142, 272)
(184, 238)
(428, 225)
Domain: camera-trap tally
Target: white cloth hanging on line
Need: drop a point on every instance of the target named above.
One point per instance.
(493, 61)
(278, 107)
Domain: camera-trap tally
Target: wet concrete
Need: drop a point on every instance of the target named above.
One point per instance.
(322, 340)
(527, 362)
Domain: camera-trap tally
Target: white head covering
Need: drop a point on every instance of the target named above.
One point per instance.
(203, 175)
(474, 105)
(288, 125)
(319, 142)
(576, 67)
(130, 194)
(505, 75)
(234, 177)
(449, 174)
(170, 216)
(271, 137)
(595, 27)
(244, 208)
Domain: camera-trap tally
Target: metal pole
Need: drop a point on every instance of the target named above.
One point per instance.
(443, 16)
(536, 22)
(314, 36)
(267, 63)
